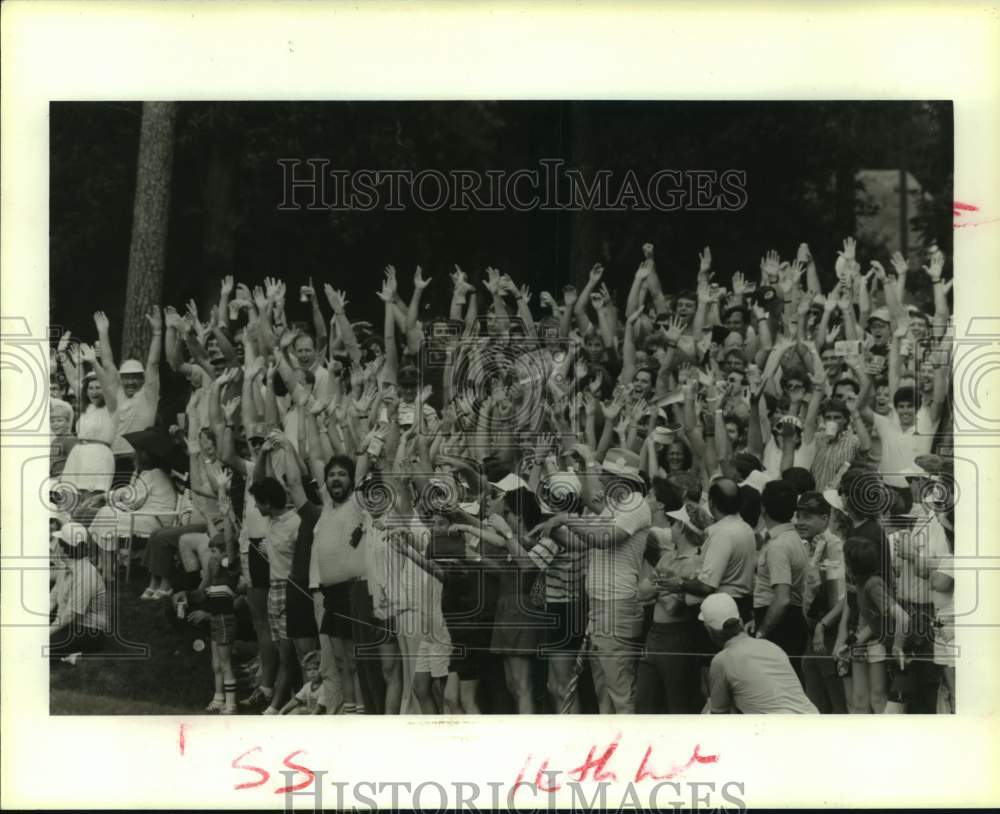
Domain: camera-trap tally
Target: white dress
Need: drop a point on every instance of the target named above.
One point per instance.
(90, 466)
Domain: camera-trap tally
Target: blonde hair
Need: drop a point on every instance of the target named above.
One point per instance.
(60, 406)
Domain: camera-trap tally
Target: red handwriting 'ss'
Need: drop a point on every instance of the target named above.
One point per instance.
(264, 775)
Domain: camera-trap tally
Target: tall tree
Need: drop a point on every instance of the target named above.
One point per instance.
(150, 215)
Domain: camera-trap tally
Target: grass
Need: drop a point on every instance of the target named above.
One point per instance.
(172, 679)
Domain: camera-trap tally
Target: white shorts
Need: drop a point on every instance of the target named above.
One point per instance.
(433, 657)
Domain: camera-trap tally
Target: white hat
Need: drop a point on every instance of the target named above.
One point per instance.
(131, 366)
(718, 609)
(757, 480)
(682, 515)
(73, 534)
(832, 496)
(509, 483)
(622, 462)
(881, 314)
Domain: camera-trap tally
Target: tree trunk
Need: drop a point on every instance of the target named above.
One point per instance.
(148, 251)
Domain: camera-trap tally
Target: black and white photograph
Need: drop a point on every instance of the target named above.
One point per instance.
(480, 407)
(528, 405)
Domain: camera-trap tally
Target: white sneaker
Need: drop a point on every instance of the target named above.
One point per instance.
(214, 706)
(270, 711)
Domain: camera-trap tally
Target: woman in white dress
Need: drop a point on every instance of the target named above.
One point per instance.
(90, 465)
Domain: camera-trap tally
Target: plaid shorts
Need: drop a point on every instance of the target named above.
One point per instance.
(276, 600)
(223, 628)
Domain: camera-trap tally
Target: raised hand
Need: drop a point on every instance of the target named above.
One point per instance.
(850, 247)
(644, 270)
(226, 288)
(789, 276)
(935, 269)
(419, 282)
(803, 254)
(647, 251)
(569, 295)
(621, 427)
(589, 404)
(614, 407)
(630, 320)
(307, 292)
(899, 263)
(548, 301)
(759, 313)
(230, 407)
(337, 299)
(88, 354)
(259, 298)
(596, 271)
(388, 292)
(769, 266)
(674, 329)
(597, 300)
(63, 342)
(367, 397)
(155, 319)
(492, 282)
(580, 368)
(101, 322)
(705, 261)
(739, 284)
(524, 294)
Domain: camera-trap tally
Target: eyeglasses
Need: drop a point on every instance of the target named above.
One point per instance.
(795, 386)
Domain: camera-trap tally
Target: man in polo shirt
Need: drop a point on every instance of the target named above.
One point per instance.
(781, 575)
(750, 676)
(729, 553)
(614, 533)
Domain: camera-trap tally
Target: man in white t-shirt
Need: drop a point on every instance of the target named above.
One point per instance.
(614, 533)
(906, 432)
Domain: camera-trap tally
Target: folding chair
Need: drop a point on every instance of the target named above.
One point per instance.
(179, 517)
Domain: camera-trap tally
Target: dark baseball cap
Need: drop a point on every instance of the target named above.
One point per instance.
(813, 503)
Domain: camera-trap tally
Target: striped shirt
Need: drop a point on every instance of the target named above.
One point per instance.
(563, 569)
(831, 455)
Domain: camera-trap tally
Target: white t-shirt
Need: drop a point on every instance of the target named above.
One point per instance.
(613, 571)
(899, 446)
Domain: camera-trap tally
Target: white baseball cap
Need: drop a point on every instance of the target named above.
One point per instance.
(131, 366)
(509, 483)
(682, 515)
(73, 534)
(718, 609)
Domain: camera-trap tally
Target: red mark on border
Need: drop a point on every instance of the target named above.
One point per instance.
(597, 765)
(264, 774)
(296, 767)
(959, 209)
(696, 757)
(180, 739)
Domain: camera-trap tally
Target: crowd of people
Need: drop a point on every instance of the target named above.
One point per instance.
(726, 499)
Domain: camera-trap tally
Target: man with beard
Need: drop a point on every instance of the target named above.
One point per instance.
(341, 601)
